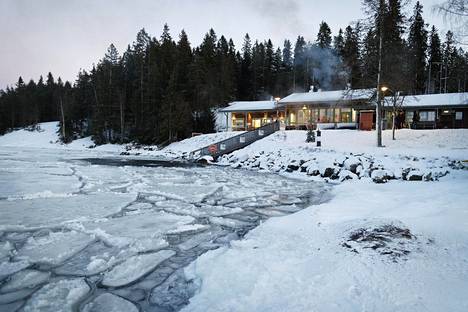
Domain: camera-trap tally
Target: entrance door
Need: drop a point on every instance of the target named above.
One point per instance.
(366, 120)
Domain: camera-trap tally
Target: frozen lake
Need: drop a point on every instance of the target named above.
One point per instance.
(82, 232)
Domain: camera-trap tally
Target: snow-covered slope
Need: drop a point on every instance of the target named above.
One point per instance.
(314, 260)
(47, 137)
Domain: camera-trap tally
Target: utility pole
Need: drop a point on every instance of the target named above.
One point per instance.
(378, 110)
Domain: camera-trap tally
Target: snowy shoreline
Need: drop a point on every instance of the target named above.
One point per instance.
(387, 246)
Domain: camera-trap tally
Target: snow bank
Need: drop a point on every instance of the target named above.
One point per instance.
(301, 263)
(47, 137)
(351, 155)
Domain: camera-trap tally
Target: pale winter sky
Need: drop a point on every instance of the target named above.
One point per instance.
(63, 36)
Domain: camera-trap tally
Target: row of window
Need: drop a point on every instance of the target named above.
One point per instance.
(322, 115)
(429, 116)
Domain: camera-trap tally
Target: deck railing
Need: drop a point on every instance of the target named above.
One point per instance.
(236, 142)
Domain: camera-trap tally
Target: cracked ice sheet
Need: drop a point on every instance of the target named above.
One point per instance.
(110, 303)
(47, 212)
(54, 248)
(21, 184)
(191, 193)
(179, 207)
(65, 294)
(142, 231)
(104, 178)
(134, 268)
(25, 279)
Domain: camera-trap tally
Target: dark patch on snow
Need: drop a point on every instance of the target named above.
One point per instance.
(387, 240)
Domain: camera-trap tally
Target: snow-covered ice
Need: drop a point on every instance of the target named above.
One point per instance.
(25, 279)
(53, 248)
(110, 303)
(134, 268)
(58, 296)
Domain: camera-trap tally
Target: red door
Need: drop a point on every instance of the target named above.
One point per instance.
(366, 120)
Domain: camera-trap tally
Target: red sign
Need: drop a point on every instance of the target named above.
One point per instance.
(213, 149)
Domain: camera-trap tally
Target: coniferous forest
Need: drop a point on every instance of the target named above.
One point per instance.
(161, 89)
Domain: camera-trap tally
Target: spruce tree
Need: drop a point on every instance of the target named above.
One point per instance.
(299, 66)
(338, 43)
(417, 48)
(434, 61)
(324, 38)
(246, 78)
(351, 56)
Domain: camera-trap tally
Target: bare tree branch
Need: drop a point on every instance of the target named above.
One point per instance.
(456, 13)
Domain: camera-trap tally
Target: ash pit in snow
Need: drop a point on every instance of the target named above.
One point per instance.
(391, 240)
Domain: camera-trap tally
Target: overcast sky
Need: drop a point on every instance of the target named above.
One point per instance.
(62, 36)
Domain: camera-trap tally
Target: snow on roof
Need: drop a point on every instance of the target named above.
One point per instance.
(249, 106)
(435, 100)
(328, 96)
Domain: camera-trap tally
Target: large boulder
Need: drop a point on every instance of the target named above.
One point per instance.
(382, 175)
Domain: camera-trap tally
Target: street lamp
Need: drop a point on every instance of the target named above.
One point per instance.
(277, 99)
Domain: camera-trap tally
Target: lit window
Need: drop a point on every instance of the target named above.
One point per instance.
(337, 115)
(346, 115)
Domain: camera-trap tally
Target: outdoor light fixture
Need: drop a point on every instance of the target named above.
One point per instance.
(384, 88)
(277, 99)
(304, 107)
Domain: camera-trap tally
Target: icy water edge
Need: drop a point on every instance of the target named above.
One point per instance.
(92, 234)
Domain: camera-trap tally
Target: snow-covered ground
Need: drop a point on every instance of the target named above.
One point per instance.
(100, 236)
(309, 261)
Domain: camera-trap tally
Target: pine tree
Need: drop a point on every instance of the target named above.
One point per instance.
(324, 38)
(351, 56)
(417, 48)
(299, 66)
(450, 56)
(434, 61)
(338, 43)
(246, 78)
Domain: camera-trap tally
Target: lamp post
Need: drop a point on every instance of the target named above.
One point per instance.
(277, 108)
(429, 84)
(395, 95)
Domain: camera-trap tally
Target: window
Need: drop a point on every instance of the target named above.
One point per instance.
(346, 115)
(409, 116)
(337, 115)
(459, 116)
(314, 115)
(427, 116)
(300, 117)
(237, 121)
(330, 115)
(292, 118)
(326, 115)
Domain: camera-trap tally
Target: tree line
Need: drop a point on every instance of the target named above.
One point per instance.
(160, 90)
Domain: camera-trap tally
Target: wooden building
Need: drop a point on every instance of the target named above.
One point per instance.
(327, 109)
(433, 111)
(249, 115)
(348, 109)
